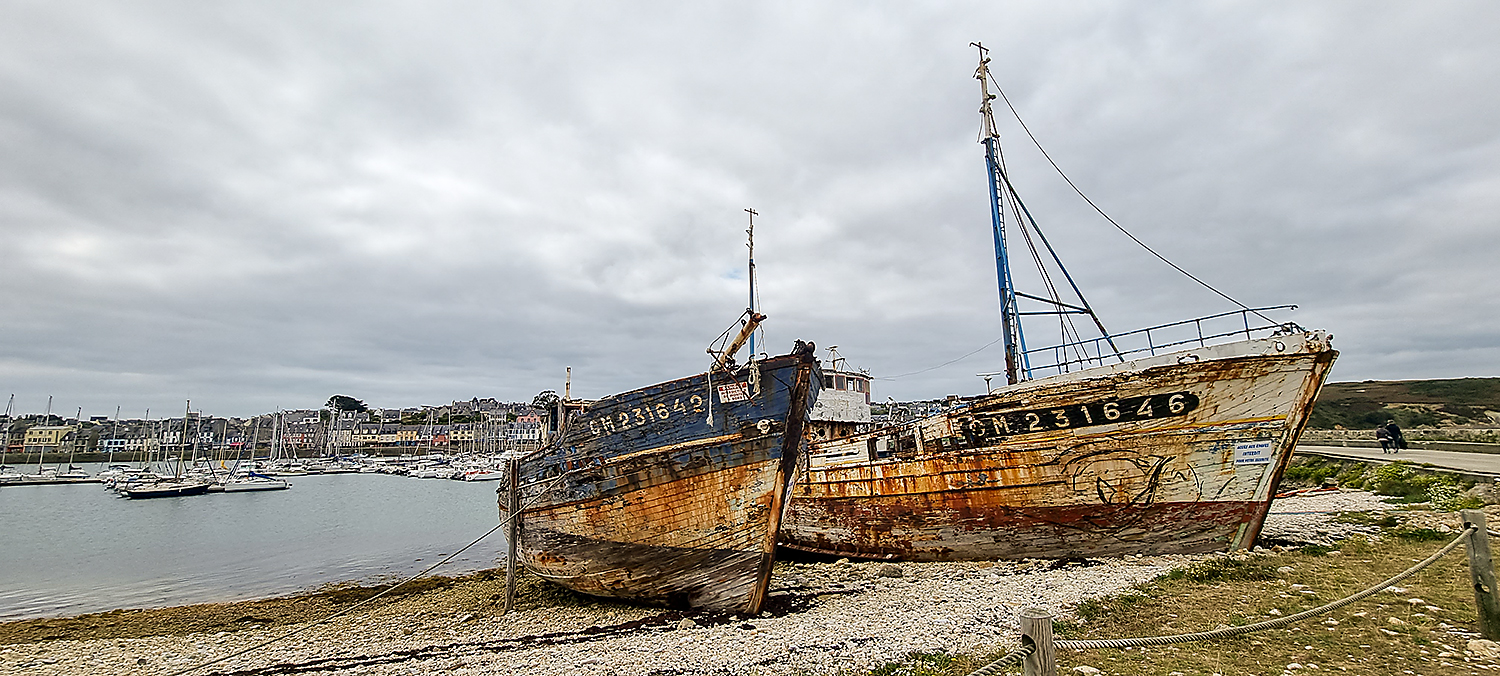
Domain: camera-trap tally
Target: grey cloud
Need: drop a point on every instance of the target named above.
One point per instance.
(261, 204)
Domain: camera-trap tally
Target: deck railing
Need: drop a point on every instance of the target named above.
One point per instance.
(1152, 340)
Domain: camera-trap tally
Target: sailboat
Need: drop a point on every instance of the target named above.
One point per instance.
(671, 494)
(8, 474)
(179, 484)
(243, 480)
(1165, 440)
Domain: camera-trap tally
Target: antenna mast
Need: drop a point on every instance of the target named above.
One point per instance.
(751, 244)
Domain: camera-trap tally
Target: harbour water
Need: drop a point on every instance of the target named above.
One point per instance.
(75, 549)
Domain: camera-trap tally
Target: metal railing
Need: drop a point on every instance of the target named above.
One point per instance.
(1080, 354)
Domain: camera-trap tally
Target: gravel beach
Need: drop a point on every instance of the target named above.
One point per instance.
(823, 618)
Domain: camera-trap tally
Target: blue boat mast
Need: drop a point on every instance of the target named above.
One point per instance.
(1010, 319)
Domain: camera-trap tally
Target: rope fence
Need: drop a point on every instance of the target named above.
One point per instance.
(1036, 655)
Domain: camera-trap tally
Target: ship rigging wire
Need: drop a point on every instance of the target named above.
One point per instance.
(1106, 216)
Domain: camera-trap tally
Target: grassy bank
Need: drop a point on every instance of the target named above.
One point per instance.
(474, 594)
(1420, 629)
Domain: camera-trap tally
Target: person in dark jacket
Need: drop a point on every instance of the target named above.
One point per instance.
(1397, 441)
(1384, 437)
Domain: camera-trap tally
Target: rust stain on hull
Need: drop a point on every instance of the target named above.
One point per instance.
(1174, 454)
(641, 499)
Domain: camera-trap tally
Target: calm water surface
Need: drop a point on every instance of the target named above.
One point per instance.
(75, 549)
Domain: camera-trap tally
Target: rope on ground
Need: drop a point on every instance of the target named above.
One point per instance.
(1269, 624)
(1011, 659)
(299, 629)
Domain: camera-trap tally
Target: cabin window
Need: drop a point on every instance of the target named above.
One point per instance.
(827, 382)
(839, 383)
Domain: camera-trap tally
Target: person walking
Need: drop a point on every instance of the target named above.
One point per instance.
(1384, 437)
(1397, 440)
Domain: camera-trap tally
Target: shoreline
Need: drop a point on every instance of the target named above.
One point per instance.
(821, 618)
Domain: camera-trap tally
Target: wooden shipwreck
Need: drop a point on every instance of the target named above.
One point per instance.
(1175, 453)
(672, 494)
(1165, 440)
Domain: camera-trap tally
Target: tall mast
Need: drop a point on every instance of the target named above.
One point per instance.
(1010, 320)
(114, 433)
(41, 455)
(751, 244)
(145, 440)
(182, 447)
(5, 435)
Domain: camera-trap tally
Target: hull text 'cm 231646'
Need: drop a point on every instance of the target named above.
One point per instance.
(674, 493)
(1153, 441)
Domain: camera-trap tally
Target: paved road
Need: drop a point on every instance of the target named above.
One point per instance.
(1476, 463)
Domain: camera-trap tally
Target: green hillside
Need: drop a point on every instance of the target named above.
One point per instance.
(1458, 401)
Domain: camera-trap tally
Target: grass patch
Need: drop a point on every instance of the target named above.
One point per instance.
(1410, 534)
(1407, 483)
(1226, 569)
(1385, 520)
(1233, 593)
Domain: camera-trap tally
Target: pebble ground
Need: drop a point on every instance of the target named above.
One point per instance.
(825, 618)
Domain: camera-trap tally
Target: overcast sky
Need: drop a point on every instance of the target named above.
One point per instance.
(257, 205)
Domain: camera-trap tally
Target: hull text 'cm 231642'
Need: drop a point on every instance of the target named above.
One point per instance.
(674, 493)
(1163, 440)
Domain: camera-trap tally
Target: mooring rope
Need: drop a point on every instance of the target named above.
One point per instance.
(299, 629)
(1011, 659)
(1268, 624)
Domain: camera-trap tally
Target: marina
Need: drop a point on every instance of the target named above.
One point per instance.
(80, 548)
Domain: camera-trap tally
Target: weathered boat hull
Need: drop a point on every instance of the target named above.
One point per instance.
(1172, 454)
(642, 499)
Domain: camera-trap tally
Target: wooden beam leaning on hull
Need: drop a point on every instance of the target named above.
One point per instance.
(1175, 453)
(663, 495)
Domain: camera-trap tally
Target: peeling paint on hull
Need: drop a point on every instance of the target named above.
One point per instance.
(1177, 453)
(642, 499)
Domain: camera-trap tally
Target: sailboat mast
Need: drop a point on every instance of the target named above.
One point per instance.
(146, 430)
(73, 450)
(41, 454)
(5, 435)
(114, 433)
(182, 447)
(1010, 320)
(751, 306)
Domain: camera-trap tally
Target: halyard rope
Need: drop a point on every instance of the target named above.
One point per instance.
(298, 629)
(1268, 624)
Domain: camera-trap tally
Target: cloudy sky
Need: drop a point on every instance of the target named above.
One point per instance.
(257, 205)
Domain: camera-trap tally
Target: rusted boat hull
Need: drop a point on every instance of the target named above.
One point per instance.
(642, 499)
(1177, 453)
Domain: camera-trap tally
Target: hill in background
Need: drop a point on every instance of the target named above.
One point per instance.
(1411, 403)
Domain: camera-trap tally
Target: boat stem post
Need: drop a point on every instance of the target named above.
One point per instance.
(1482, 574)
(512, 509)
(1036, 629)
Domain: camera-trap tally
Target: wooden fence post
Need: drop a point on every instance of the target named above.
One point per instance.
(1482, 574)
(1036, 625)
